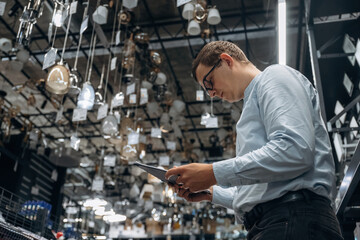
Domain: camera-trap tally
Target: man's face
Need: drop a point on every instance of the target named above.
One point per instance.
(216, 80)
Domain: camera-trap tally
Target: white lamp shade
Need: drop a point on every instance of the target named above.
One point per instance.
(193, 28)
(86, 97)
(130, 3)
(23, 55)
(179, 105)
(214, 16)
(188, 11)
(5, 44)
(160, 79)
(100, 15)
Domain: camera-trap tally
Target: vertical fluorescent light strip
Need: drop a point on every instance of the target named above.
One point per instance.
(282, 31)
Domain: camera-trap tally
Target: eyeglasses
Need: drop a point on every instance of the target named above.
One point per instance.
(208, 85)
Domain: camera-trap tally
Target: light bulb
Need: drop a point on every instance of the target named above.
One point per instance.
(86, 97)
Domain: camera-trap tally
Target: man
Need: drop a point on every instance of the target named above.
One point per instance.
(282, 182)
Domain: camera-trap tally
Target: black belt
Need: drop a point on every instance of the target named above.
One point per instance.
(257, 212)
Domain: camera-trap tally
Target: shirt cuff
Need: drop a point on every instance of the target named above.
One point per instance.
(223, 197)
(224, 172)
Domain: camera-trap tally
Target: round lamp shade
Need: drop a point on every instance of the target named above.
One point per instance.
(188, 11)
(214, 16)
(160, 79)
(57, 80)
(86, 97)
(109, 125)
(193, 28)
(5, 44)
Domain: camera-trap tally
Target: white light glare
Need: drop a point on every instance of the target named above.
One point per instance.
(282, 31)
(115, 218)
(96, 202)
(58, 20)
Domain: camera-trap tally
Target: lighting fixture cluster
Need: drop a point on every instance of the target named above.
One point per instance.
(197, 12)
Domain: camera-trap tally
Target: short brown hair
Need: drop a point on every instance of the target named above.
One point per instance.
(210, 54)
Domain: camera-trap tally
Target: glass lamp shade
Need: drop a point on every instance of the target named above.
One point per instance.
(99, 100)
(86, 97)
(155, 58)
(109, 126)
(193, 28)
(58, 80)
(74, 81)
(199, 13)
(214, 16)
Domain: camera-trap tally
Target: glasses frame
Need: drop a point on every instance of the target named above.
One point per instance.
(207, 89)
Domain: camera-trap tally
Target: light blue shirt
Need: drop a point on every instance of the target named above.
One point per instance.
(281, 145)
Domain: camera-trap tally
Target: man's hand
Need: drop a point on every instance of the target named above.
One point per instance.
(195, 197)
(194, 177)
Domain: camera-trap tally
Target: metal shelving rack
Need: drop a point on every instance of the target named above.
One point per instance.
(336, 15)
(14, 224)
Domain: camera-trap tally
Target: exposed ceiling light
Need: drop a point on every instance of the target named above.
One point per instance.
(282, 31)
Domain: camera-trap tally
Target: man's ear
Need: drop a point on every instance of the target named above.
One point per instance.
(227, 58)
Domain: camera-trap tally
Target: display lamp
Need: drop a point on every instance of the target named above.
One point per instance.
(86, 97)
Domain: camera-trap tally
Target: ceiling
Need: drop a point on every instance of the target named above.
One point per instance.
(249, 23)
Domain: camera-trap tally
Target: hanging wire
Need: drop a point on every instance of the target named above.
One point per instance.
(89, 54)
(81, 36)
(111, 43)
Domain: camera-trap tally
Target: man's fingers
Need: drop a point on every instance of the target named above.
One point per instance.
(173, 171)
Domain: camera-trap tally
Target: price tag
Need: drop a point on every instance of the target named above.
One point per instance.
(357, 53)
(132, 99)
(338, 109)
(97, 184)
(59, 114)
(171, 145)
(84, 25)
(349, 47)
(35, 190)
(133, 138)
(73, 7)
(54, 175)
(32, 145)
(118, 100)
(142, 139)
(113, 63)
(49, 58)
(144, 97)
(102, 111)
(130, 89)
(118, 116)
(181, 2)
(75, 142)
(164, 161)
(117, 38)
(212, 122)
(79, 114)
(110, 160)
(349, 86)
(156, 132)
(41, 150)
(2, 8)
(199, 95)
(354, 124)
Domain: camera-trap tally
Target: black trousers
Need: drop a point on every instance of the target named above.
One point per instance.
(300, 218)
